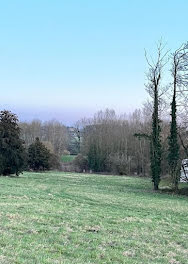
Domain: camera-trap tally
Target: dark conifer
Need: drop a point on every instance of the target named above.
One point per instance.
(12, 152)
(173, 156)
(38, 156)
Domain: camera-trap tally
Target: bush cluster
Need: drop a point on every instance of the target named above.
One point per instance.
(14, 157)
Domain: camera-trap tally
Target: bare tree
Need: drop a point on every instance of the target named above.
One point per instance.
(155, 90)
(51, 133)
(180, 80)
(109, 144)
(179, 73)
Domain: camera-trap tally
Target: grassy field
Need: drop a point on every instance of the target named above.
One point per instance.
(81, 219)
(67, 158)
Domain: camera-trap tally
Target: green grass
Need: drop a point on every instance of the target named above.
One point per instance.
(53, 218)
(67, 158)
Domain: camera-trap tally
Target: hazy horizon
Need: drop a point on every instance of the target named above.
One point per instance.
(69, 59)
(67, 117)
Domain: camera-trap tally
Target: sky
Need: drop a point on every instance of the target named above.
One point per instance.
(67, 59)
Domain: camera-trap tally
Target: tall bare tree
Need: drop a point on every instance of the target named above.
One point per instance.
(180, 74)
(155, 90)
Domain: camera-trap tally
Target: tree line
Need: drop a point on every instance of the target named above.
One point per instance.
(53, 134)
(108, 141)
(15, 155)
(150, 141)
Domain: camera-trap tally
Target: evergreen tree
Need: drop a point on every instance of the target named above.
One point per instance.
(173, 156)
(38, 156)
(12, 152)
(179, 62)
(155, 141)
(155, 145)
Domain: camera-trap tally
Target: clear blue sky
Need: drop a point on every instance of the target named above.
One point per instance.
(66, 59)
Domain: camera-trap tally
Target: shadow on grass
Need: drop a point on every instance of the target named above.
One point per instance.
(182, 191)
(10, 176)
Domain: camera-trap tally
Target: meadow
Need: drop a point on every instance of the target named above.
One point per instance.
(67, 158)
(69, 218)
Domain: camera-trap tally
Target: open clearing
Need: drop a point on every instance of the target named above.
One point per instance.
(67, 158)
(80, 218)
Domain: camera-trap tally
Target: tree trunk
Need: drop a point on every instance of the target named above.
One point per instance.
(156, 187)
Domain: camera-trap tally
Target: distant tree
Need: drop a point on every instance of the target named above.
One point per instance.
(54, 162)
(38, 156)
(118, 163)
(52, 133)
(108, 143)
(81, 162)
(74, 139)
(12, 151)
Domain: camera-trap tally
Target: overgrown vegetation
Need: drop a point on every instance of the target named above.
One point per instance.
(81, 162)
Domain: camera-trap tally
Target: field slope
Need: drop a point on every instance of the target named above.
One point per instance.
(81, 219)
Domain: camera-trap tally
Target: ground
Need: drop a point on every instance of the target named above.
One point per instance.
(67, 158)
(53, 218)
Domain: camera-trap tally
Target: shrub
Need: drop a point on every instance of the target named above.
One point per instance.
(38, 156)
(117, 163)
(81, 162)
(54, 162)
